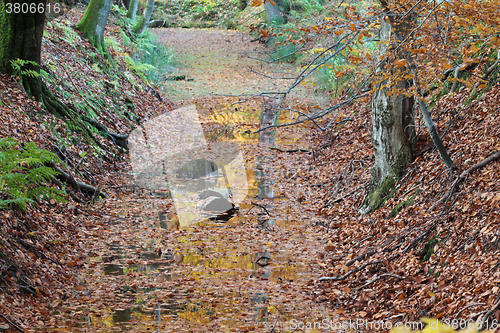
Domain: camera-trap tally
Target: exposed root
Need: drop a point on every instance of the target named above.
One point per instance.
(463, 175)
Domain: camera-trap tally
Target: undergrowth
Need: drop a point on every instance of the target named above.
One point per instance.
(23, 175)
(198, 13)
(147, 57)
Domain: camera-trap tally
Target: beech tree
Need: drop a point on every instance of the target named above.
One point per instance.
(392, 117)
(142, 23)
(93, 23)
(21, 38)
(426, 50)
(132, 10)
(21, 44)
(275, 11)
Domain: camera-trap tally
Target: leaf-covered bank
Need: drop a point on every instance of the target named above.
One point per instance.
(40, 247)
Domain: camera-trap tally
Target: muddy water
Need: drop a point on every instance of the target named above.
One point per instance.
(248, 274)
(255, 272)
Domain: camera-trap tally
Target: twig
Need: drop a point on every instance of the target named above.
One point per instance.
(39, 251)
(468, 306)
(475, 316)
(422, 235)
(363, 256)
(487, 315)
(454, 187)
(378, 278)
(11, 323)
(260, 206)
(274, 326)
(97, 193)
(330, 202)
(352, 271)
(290, 150)
(314, 116)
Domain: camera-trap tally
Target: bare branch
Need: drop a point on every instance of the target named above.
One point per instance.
(315, 116)
(378, 277)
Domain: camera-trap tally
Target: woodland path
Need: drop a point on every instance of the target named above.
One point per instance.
(257, 272)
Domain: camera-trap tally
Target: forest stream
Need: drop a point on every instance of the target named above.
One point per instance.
(148, 271)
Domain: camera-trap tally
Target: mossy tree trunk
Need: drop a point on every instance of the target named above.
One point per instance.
(93, 23)
(143, 21)
(21, 38)
(392, 121)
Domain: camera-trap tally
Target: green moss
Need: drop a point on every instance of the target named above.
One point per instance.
(90, 23)
(379, 196)
(428, 249)
(402, 205)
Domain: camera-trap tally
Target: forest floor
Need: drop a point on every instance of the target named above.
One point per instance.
(124, 264)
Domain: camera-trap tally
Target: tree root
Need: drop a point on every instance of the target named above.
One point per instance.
(55, 107)
(290, 150)
(466, 307)
(76, 185)
(484, 320)
(378, 277)
(118, 139)
(454, 187)
(35, 249)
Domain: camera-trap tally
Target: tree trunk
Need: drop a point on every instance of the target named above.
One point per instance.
(21, 38)
(93, 23)
(275, 11)
(392, 126)
(143, 21)
(132, 10)
(126, 4)
(438, 143)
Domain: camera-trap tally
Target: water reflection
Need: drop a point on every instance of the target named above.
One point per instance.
(154, 307)
(186, 304)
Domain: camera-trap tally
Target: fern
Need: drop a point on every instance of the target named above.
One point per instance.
(23, 174)
(69, 35)
(18, 64)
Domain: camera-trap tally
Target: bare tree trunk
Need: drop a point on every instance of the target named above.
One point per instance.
(433, 132)
(275, 11)
(268, 116)
(392, 127)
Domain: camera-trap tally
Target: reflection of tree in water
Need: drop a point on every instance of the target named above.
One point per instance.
(122, 316)
(197, 168)
(264, 183)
